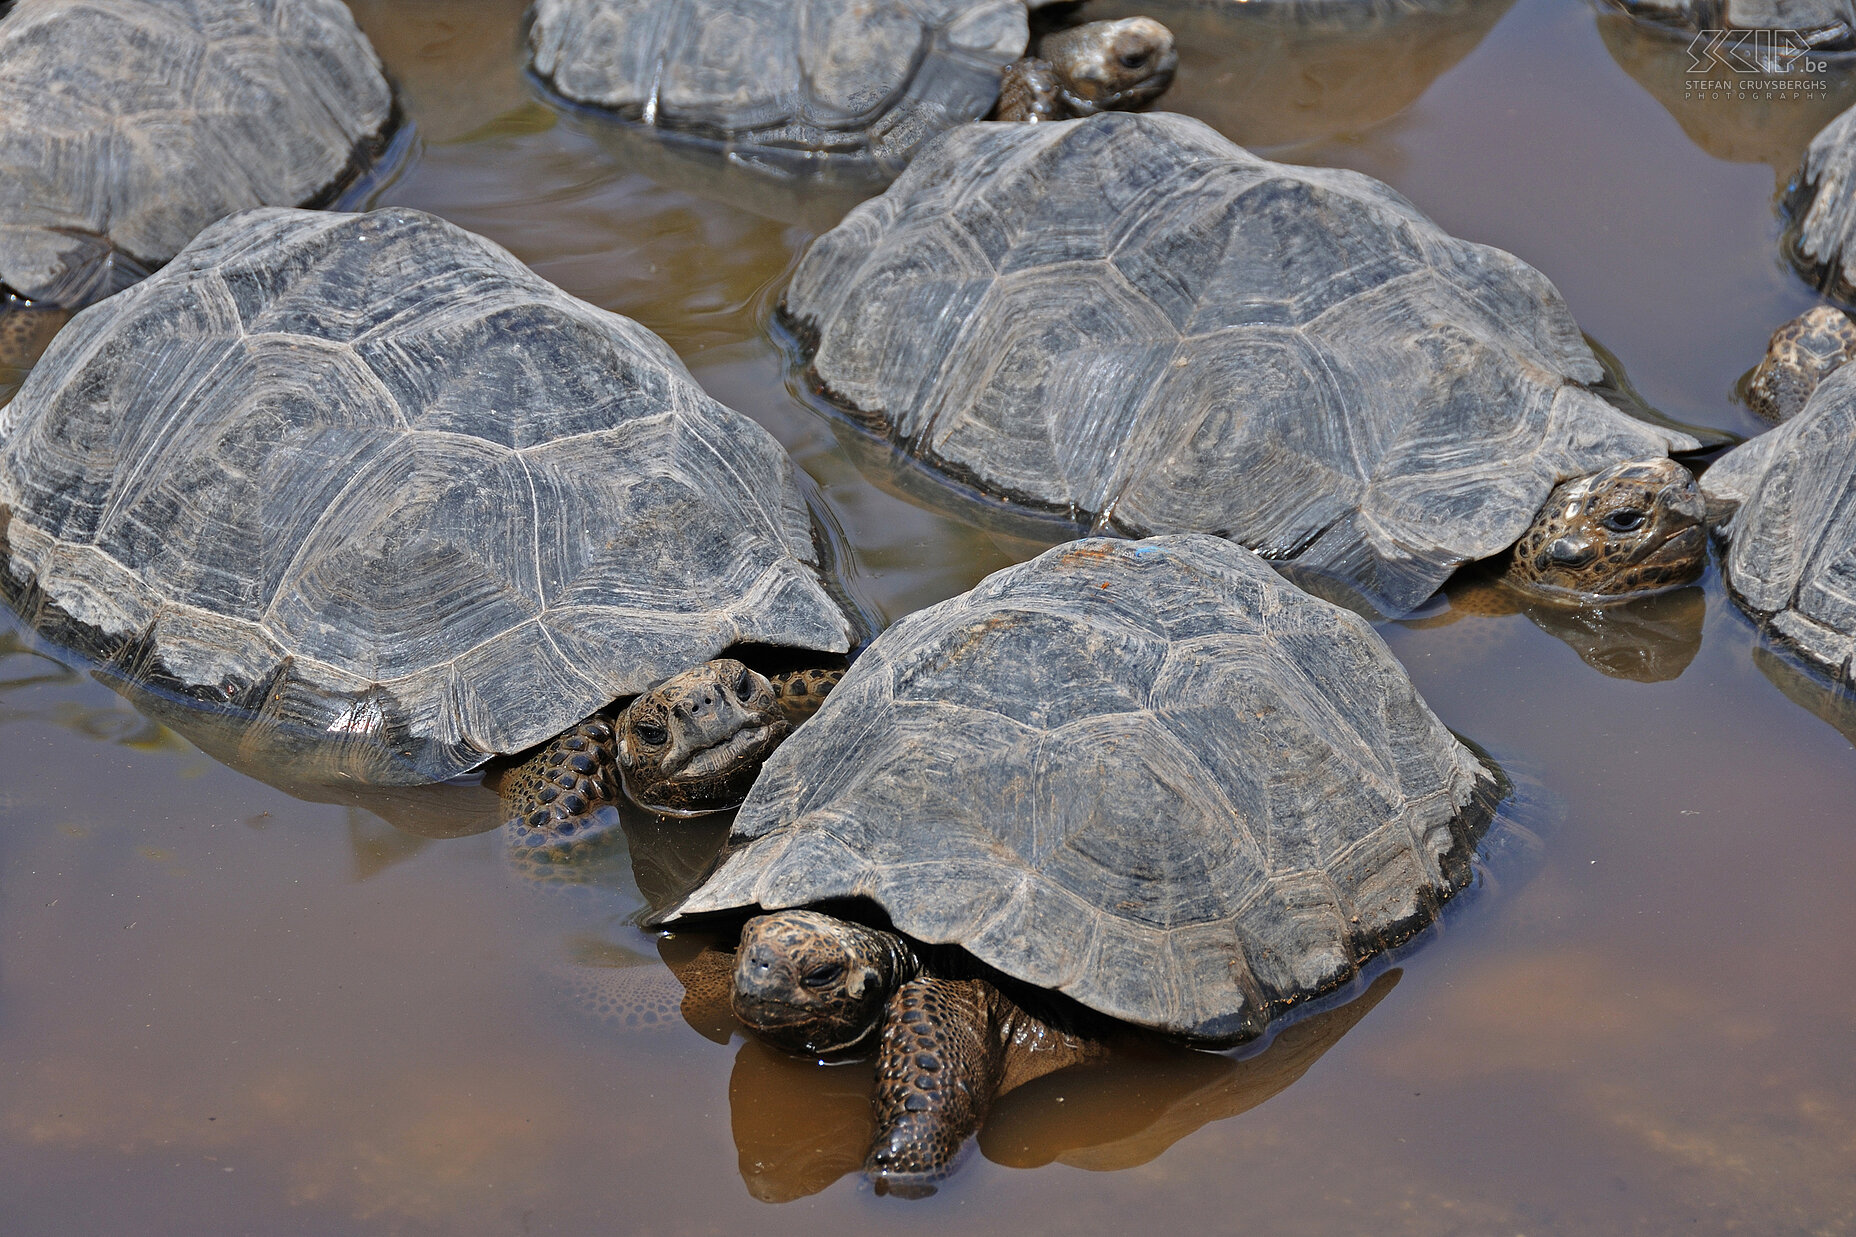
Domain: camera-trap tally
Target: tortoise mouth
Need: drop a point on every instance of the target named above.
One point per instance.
(796, 1028)
(725, 757)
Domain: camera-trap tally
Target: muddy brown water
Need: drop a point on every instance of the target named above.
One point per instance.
(227, 1009)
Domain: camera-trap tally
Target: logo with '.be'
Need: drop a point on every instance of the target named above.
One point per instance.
(1752, 51)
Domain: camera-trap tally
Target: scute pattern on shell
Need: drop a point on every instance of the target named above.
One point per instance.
(368, 478)
(859, 80)
(1130, 319)
(1152, 775)
(127, 126)
(1791, 544)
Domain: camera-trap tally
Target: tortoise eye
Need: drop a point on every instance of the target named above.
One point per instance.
(823, 976)
(1132, 60)
(744, 685)
(1625, 520)
(652, 733)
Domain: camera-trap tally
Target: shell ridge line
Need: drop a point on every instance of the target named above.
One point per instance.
(822, 774)
(130, 482)
(741, 487)
(291, 568)
(534, 532)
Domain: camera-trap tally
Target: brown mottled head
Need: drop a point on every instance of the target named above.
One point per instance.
(815, 985)
(1802, 354)
(1633, 529)
(1111, 65)
(695, 742)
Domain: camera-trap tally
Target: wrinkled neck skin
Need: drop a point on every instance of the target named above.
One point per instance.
(1634, 529)
(695, 742)
(815, 985)
(1097, 67)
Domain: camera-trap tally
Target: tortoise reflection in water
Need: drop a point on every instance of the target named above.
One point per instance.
(1228, 803)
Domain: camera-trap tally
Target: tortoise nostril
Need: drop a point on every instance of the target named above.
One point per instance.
(1569, 551)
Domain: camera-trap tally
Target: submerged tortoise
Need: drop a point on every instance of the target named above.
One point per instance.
(127, 126)
(1152, 777)
(842, 85)
(1786, 503)
(371, 485)
(1131, 321)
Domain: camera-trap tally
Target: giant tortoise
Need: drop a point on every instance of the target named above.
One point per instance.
(370, 485)
(1786, 506)
(127, 126)
(1129, 321)
(1152, 778)
(850, 87)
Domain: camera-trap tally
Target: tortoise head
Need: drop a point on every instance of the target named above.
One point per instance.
(813, 984)
(1111, 65)
(1633, 529)
(695, 742)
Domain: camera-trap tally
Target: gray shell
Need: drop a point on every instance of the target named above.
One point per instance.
(1797, 22)
(1791, 545)
(1152, 775)
(861, 81)
(371, 481)
(1820, 234)
(127, 126)
(1130, 320)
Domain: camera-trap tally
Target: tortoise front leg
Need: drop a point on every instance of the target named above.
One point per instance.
(937, 1072)
(950, 1048)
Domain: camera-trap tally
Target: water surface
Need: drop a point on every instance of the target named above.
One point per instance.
(227, 1009)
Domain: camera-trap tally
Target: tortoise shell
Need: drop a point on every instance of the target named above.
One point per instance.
(127, 126)
(373, 484)
(1152, 775)
(1131, 321)
(851, 82)
(1790, 546)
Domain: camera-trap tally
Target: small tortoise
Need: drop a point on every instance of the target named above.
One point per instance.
(127, 126)
(840, 86)
(370, 485)
(1145, 781)
(1190, 338)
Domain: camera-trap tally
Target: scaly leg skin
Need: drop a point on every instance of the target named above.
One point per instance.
(801, 692)
(949, 1049)
(25, 330)
(551, 799)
